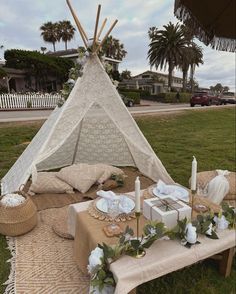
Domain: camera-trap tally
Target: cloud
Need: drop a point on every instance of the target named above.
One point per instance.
(20, 22)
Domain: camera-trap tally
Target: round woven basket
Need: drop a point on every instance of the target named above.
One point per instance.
(18, 220)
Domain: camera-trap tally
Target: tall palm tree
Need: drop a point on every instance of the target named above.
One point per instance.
(165, 47)
(65, 31)
(184, 64)
(113, 48)
(50, 33)
(196, 59)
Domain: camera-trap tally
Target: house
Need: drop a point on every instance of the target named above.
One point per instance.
(73, 55)
(18, 80)
(151, 81)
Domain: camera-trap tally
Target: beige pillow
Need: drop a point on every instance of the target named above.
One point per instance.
(48, 182)
(107, 171)
(80, 176)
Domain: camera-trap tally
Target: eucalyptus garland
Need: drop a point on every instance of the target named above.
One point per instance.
(187, 232)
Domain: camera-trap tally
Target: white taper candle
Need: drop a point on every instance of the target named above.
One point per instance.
(137, 194)
(194, 175)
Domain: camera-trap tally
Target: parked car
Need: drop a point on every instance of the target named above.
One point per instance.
(228, 98)
(204, 99)
(128, 101)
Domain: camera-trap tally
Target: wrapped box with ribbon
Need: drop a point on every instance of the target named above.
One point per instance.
(166, 210)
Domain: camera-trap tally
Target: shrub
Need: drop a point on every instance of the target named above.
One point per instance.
(3, 90)
(171, 97)
(135, 96)
(29, 104)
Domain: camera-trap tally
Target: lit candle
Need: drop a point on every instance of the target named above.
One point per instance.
(137, 195)
(194, 175)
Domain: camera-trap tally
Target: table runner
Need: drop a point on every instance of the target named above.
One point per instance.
(89, 232)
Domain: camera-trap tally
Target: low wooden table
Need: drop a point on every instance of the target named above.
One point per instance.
(164, 256)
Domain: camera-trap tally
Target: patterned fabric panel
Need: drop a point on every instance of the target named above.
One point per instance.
(101, 142)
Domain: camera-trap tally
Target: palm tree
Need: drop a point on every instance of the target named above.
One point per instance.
(50, 33)
(191, 57)
(165, 47)
(43, 49)
(196, 59)
(65, 31)
(113, 48)
(185, 64)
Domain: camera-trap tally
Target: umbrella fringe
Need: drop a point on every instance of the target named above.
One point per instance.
(207, 37)
(224, 44)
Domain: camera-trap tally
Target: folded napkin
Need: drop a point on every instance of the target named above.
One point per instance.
(170, 190)
(109, 195)
(124, 206)
(164, 189)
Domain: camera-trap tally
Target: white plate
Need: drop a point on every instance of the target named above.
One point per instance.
(124, 200)
(179, 193)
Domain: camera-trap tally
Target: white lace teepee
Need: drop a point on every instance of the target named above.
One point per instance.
(93, 126)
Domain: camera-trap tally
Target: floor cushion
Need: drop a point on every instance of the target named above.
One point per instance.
(80, 176)
(107, 171)
(48, 182)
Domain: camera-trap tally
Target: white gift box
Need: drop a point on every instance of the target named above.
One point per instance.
(166, 210)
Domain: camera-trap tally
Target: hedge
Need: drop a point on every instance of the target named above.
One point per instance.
(133, 95)
(170, 97)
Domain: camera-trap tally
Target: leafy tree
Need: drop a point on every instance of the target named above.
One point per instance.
(218, 88)
(39, 66)
(50, 33)
(3, 73)
(165, 47)
(125, 75)
(65, 31)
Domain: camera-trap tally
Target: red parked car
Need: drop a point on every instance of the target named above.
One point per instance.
(204, 98)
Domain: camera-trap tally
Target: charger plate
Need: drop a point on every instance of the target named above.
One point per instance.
(98, 214)
(149, 193)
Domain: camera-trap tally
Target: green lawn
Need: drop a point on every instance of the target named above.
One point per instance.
(208, 134)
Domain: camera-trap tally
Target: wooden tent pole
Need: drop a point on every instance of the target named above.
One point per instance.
(103, 40)
(81, 30)
(101, 29)
(96, 27)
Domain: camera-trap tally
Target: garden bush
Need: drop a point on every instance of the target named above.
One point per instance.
(170, 97)
(135, 96)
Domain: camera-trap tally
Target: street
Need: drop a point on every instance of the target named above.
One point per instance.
(147, 107)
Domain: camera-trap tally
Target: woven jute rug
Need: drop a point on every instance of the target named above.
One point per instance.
(43, 262)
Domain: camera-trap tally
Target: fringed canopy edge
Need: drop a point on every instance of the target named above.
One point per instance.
(204, 35)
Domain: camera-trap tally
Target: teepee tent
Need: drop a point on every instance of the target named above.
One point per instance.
(93, 126)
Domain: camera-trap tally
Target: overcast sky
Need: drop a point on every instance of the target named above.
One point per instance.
(20, 21)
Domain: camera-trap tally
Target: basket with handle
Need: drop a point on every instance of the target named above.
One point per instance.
(20, 219)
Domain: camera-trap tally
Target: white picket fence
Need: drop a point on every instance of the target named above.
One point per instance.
(28, 101)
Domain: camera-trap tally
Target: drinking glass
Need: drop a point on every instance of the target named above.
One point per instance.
(113, 211)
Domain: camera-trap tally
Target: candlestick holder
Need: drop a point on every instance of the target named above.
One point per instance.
(193, 193)
(140, 251)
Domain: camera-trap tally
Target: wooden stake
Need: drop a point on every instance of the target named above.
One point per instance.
(103, 40)
(96, 27)
(101, 29)
(80, 28)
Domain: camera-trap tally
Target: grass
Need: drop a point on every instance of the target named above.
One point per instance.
(209, 135)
